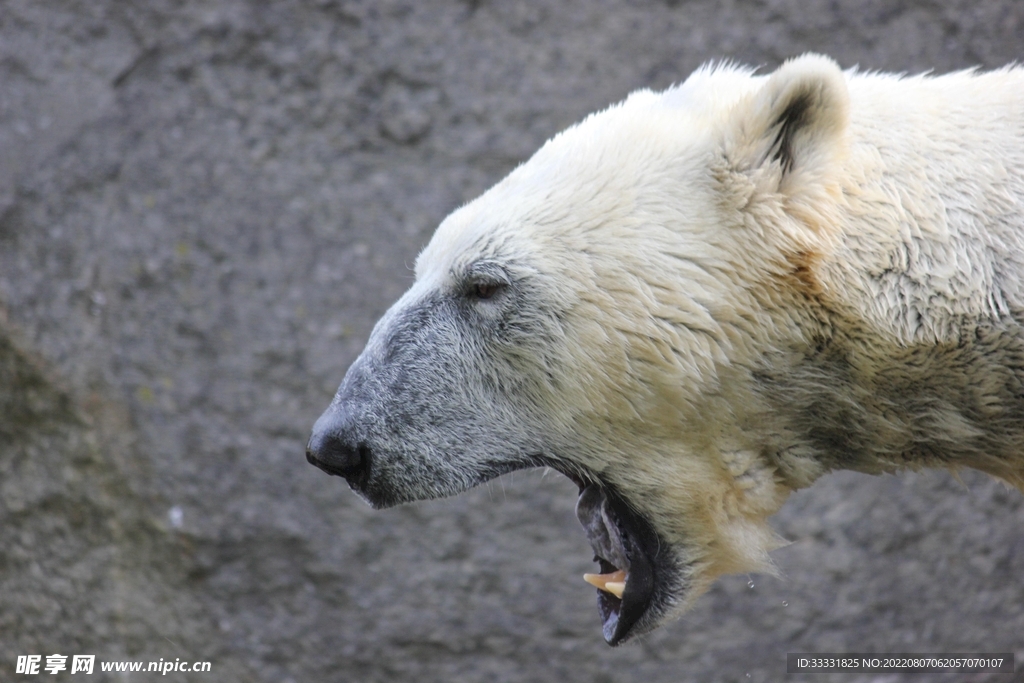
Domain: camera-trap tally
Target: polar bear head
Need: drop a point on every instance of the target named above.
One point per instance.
(603, 311)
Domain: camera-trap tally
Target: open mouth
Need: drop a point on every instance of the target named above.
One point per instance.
(626, 547)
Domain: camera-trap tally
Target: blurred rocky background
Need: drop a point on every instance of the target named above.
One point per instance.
(205, 205)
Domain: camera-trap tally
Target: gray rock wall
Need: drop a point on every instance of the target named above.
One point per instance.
(204, 206)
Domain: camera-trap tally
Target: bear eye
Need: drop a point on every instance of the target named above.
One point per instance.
(484, 290)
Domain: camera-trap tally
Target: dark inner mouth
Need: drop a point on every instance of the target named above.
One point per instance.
(623, 542)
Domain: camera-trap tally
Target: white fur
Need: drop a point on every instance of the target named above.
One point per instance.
(745, 281)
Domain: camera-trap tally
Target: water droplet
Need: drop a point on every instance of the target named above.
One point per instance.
(785, 603)
(748, 675)
(750, 584)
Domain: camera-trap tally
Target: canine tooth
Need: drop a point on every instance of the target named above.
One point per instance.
(613, 582)
(615, 588)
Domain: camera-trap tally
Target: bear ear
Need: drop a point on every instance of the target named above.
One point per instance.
(795, 123)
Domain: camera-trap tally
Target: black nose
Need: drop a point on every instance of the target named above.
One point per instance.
(335, 454)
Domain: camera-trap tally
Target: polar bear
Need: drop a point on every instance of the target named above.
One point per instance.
(699, 300)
